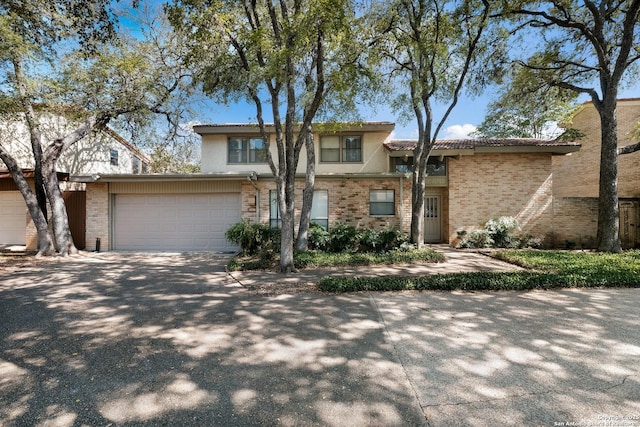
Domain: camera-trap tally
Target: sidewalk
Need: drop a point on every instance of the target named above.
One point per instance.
(457, 261)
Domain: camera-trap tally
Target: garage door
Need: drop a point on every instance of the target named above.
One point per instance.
(13, 219)
(174, 222)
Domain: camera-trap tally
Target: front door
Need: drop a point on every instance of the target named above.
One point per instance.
(432, 218)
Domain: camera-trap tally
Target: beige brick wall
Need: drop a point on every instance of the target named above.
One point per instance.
(577, 174)
(348, 200)
(97, 216)
(486, 186)
(575, 222)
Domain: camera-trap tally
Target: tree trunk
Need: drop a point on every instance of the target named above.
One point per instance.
(420, 156)
(287, 214)
(417, 208)
(608, 237)
(302, 243)
(60, 219)
(45, 243)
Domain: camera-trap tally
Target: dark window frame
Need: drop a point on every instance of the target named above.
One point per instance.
(344, 151)
(114, 157)
(246, 153)
(382, 208)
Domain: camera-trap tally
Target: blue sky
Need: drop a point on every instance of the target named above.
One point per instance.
(468, 114)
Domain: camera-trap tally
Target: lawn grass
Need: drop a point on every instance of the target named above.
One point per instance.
(547, 270)
(316, 259)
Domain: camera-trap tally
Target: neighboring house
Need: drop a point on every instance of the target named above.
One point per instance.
(576, 180)
(362, 178)
(104, 152)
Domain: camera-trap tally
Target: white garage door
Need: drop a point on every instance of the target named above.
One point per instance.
(13, 219)
(174, 222)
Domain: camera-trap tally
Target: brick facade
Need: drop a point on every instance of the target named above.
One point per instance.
(486, 186)
(481, 187)
(577, 175)
(97, 216)
(348, 200)
(575, 222)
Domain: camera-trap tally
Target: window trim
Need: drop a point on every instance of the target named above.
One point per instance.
(114, 157)
(247, 153)
(392, 202)
(322, 221)
(342, 148)
(274, 221)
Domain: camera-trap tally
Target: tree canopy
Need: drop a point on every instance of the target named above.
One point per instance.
(587, 47)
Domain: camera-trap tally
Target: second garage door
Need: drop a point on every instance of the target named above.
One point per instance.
(174, 222)
(13, 218)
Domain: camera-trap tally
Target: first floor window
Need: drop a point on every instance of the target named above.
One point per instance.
(246, 150)
(113, 157)
(382, 202)
(320, 208)
(274, 210)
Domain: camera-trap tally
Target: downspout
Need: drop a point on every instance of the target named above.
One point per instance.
(401, 203)
(250, 178)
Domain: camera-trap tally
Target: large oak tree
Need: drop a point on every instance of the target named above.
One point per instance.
(434, 49)
(588, 47)
(103, 77)
(288, 58)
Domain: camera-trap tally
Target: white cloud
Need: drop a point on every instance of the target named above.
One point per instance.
(459, 131)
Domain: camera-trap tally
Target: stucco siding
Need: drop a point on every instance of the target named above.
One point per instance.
(215, 157)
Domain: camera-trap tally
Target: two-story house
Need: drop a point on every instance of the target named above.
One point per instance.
(101, 152)
(362, 178)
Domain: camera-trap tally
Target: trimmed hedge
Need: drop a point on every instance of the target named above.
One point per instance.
(313, 259)
(480, 281)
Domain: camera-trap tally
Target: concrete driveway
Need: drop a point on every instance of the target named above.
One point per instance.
(169, 339)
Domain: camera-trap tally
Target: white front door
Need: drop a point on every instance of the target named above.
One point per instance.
(432, 218)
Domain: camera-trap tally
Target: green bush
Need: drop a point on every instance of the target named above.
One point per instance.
(254, 238)
(554, 269)
(343, 237)
(369, 241)
(319, 238)
(477, 239)
(498, 233)
(392, 238)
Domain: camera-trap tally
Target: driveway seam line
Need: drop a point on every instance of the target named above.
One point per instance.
(396, 353)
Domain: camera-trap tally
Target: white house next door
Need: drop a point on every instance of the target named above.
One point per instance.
(432, 218)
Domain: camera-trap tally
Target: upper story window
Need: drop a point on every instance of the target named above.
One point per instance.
(435, 166)
(247, 150)
(341, 149)
(137, 165)
(113, 157)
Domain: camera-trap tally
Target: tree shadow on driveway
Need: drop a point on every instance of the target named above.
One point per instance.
(543, 358)
(170, 339)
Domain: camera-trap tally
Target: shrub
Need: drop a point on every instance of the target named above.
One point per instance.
(477, 239)
(319, 238)
(502, 231)
(392, 238)
(370, 241)
(253, 238)
(343, 237)
(498, 233)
